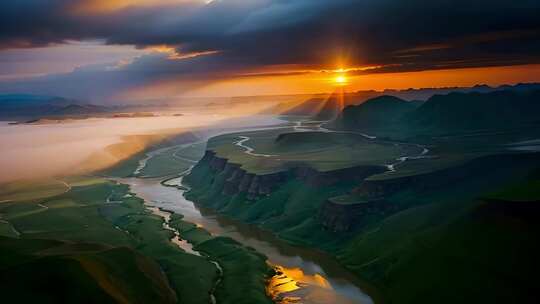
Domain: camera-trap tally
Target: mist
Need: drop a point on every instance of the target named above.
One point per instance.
(30, 151)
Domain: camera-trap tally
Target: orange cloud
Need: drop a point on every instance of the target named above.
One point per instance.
(174, 54)
(308, 83)
(107, 6)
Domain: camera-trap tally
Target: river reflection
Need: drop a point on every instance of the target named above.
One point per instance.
(305, 276)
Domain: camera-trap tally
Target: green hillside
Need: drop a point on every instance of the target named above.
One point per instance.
(95, 242)
(375, 114)
(507, 111)
(453, 220)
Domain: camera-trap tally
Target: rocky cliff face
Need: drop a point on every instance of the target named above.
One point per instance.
(370, 198)
(336, 217)
(372, 195)
(237, 180)
(378, 189)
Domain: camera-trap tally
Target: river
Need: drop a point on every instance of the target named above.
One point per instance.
(309, 276)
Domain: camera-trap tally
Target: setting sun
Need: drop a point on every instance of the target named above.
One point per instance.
(340, 79)
(269, 151)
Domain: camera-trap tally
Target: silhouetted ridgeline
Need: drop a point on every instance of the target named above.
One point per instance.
(443, 114)
(427, 228)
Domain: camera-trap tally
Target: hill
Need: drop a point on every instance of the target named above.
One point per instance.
(454, 113)
(322, 105)
(379, 112)
(426, 93)
(27, 106)
(77, 110)
(477, 111)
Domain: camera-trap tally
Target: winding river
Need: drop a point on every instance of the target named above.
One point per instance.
(308, 276)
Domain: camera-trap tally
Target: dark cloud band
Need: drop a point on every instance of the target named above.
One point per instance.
(397, 35)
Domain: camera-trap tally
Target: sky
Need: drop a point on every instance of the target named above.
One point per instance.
(134, 50)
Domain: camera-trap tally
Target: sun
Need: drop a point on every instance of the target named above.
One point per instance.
(340, 80)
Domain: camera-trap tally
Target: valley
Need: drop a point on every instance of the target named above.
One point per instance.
(414, 202)
(296, 210)
(269, 152)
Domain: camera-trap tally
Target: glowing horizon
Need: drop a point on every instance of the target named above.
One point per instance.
(320, 83)
(130, 50)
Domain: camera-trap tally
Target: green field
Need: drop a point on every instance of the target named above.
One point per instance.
(102, 215)
(244, 270)
(31, 189)
(451, 249)
(161, 162)
(124, 168)
(94, 234)
(289, 212)
(319, 150)
(173, 160)
(463, 228)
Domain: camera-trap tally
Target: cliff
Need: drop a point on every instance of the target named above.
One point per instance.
(374, 196)
(225, 180)
(238, 180)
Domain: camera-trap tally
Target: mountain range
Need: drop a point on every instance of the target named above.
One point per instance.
(26, 106)
(443, 114)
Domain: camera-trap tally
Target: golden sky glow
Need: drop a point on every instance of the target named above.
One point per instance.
(105, 6)
(326, 82)
(173, 53)
(341, 79)
(160, 49)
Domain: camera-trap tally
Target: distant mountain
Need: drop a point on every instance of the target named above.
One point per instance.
(26, 106)
(443, 114)
(426, 93)
(12, 101)
(477, 111)
(374, 114)
(331, 107)
(323, 106)
(77, 110)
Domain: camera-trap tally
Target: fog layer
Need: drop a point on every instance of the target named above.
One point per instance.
(41, 150)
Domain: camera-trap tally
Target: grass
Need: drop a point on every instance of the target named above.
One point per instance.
(124, 168)
(6, 229)
(164, 161)
(164, 164)
(522, 192)
(80, 181)
(98, 238)
(189, 231)
(441, 253)
(319, 150)
(32, 189)
(126, 230)
(445, 241)
(288, 211)
(442, 243)
(244, 270)
(58, 271)
(171, 161)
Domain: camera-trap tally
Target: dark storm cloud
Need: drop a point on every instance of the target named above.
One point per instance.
(397, 35)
